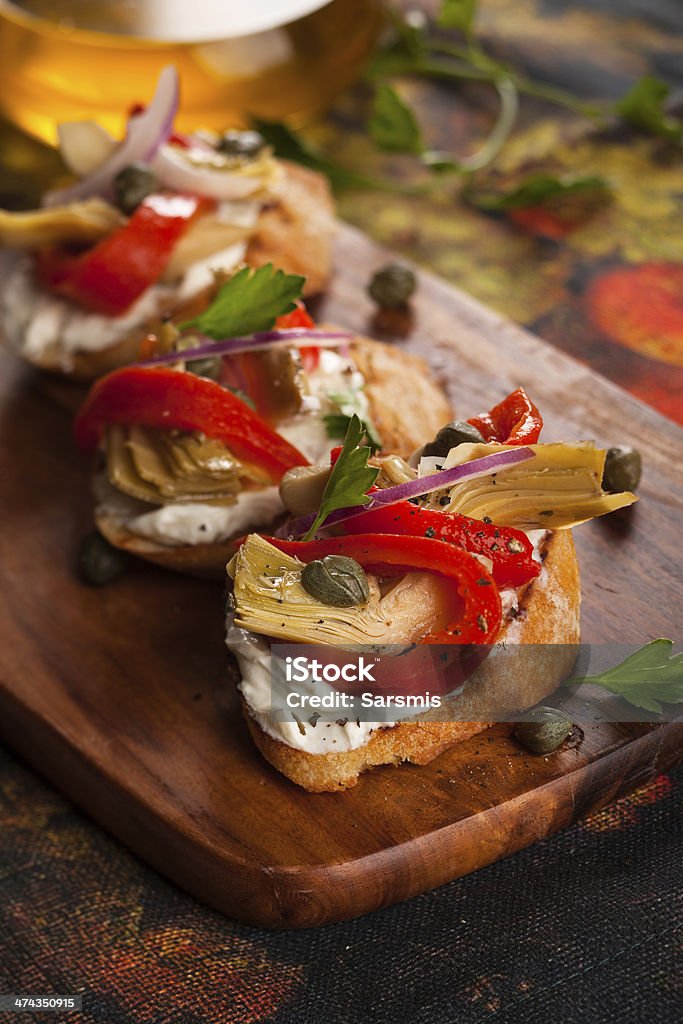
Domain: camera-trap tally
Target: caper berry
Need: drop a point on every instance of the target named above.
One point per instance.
(451, 436)
(247, 144)
(392, 286)
(623, 468)
(336, 580)
(545, 730)
(133, 184)
(209, 367)
(98, 562)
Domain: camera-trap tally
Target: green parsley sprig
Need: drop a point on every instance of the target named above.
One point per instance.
(250, 301)
(650, 675)
(350, 479)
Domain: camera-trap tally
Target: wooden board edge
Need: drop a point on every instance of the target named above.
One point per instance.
(309, 896)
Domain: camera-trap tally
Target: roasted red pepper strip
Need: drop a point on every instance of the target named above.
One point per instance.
(389, 555)
(112, 275)
(173, 400)
(300, 317)
(510, 550)
(515, 420)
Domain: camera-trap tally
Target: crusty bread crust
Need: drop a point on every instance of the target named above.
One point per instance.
(405, 402)
(548, 615)
(294, 232)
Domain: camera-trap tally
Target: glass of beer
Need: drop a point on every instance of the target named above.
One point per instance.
(65, 60)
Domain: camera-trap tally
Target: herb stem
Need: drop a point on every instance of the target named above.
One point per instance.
(509, 108)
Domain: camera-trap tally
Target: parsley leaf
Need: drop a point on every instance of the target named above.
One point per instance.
(289, 145)
(537, 190)
(392, 124)
(643, 107)
(350, 478)
(650, 675)
(250, 301)
(458, 14)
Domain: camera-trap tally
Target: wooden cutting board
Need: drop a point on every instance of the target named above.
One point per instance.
(125, 698)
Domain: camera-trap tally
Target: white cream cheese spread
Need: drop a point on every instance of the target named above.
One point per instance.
(46, 328)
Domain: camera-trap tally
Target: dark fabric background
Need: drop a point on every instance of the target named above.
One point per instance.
(583, 928)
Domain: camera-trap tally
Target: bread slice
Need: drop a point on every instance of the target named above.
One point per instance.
(548, 615)
(294, 232)
(406, 404)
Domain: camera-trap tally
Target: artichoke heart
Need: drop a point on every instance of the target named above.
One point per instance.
(162, 466)
(86, 221)
(269, 599)
(558, 489)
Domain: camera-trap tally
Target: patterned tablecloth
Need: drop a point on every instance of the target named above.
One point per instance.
(579, 928)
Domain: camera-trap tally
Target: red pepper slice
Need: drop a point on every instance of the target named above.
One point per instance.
(515, 420)
(112, 275)
(389, 555)
(173, 400)
(510, 550)
(300, 317)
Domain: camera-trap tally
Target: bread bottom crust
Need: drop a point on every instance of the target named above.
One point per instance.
(548, 615)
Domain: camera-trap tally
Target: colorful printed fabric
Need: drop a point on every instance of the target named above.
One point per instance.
(578, 928)
(601, 279)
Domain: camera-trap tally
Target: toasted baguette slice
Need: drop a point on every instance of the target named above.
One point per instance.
(548, 614)
(294, 232)
(406, 404)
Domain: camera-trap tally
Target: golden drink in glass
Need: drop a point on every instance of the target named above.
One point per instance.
(65, 60)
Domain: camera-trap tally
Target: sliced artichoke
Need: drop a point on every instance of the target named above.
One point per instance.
(558, 489)
(162, 466)
(269, 599)
(87, 221)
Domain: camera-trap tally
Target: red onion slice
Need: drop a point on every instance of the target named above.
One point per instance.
(173, 169)
(145, 133)
(413, 489)
(254, 343)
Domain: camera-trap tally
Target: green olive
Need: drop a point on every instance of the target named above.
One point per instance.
(133, 184)
(451, 436)
(247, 144)
(209, 367)
(336, 580)
(392, 286)
(98, 562)
(623, 468)
(545, 730)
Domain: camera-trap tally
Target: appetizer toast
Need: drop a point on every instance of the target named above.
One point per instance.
(457, 554)
(141, 233)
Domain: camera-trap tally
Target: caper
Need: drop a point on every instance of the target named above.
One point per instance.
(133, 184)
(451, 436)
(545, 730)
(209, 367)
(336, 580)
(98, 562)
(247, 144)
(623, 468)
(392, 286)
